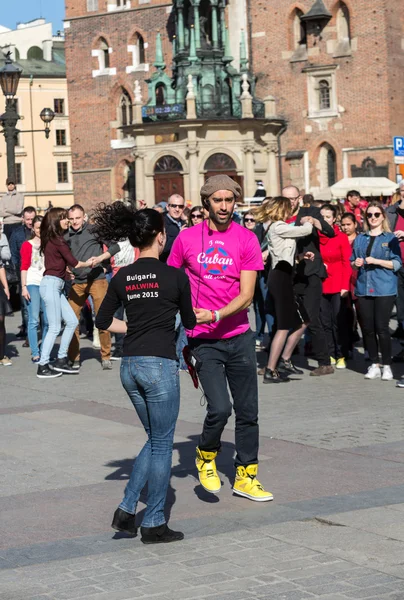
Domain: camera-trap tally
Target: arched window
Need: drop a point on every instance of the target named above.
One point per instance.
(104, 54)
(125, 109)
(220, 162)
(328, 166)
(299, 37)
(140, 45)
(137, 49)
(343, 23)
(35, 53)
(168, 164)
(324, 96)
(331, 166)
(16, 54)
(160, 94)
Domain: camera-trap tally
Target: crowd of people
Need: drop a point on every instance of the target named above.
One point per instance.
(174, 286)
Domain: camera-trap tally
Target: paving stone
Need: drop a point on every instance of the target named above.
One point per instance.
(78, 593)
(307, 582)
(376, 579)
(370, 591)
(133, 586)
(293, 595)
(337, 587)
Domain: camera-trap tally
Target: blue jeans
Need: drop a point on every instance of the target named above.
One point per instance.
(262, 315)
(153, 385)
(180, 341)
(57, 309)
(35, 307)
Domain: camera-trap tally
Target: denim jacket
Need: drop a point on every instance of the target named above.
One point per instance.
(374, 280)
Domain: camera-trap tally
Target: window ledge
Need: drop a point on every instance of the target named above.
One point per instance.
(143, 68)
(101, 73)
(323, 114)
(62, 187)
(343, 49)
(127, 142)
(300, 54)
(62, 150)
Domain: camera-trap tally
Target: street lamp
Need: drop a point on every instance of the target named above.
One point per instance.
(9, 79)
(47, 115)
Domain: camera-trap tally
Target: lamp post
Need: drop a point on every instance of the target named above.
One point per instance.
(9, 79)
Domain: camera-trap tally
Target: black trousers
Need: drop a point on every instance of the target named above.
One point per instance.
(310, 294)
(230, 362)
(375, 313)
(346, 325)
(329, 316)
(400, 296)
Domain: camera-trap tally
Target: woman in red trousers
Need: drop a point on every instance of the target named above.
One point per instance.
(336, 254)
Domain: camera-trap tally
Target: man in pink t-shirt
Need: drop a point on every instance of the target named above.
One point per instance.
(221, 260)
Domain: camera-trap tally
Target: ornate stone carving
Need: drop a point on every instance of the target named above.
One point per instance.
(190, 88)
(249, 146)
(245, 86)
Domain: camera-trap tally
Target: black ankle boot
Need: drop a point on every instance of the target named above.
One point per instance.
(286, 366)
(124, 521)
(160, 535)
(274, 377)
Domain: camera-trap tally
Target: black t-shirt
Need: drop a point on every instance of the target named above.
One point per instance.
(152, 293)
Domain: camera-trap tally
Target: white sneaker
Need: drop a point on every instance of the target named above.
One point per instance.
(387, 374)
(374, 372)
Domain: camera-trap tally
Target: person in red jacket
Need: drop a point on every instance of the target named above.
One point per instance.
(336, 254)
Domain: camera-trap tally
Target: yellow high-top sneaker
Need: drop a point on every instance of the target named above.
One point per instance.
(246, 484)
(208, 477)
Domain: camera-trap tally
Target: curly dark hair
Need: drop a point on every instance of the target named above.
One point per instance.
(116, 222)
(50, 226)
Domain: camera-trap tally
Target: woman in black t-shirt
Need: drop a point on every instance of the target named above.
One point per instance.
(152, 294)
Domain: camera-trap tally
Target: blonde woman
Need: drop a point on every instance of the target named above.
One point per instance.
(377, 257)
(288, 315)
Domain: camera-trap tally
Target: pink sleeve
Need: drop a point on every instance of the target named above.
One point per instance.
(176, 257)
(346, 252)
(26, 255)
(251, 259)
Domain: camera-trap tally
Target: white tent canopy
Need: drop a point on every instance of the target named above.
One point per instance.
(367, 186)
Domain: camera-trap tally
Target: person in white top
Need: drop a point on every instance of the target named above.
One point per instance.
(32, 269)
(289, 316)
(5, 252)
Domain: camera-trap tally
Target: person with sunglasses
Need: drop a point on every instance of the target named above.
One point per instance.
(172, 223)
(196, 216)
(377, 257)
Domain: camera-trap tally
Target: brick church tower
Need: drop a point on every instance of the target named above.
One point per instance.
(336, 69)
(329, 72)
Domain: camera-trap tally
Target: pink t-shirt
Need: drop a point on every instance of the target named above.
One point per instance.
(213, 261)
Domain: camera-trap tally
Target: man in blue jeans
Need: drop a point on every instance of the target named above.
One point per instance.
(221, 259)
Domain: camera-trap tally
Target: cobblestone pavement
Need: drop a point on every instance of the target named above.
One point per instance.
(331, 450)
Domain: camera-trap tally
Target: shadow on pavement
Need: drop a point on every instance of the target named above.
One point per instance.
(184, 468)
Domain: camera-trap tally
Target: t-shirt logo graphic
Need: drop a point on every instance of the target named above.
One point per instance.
(215, 260)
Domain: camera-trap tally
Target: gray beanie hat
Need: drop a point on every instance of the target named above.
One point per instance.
(220, 182)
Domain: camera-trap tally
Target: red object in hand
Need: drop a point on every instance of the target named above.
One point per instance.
(191, 364)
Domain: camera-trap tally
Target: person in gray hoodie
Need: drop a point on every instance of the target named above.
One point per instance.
(89, 281)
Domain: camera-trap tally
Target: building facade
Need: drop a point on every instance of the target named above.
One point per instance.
(155, 90)
(336, 70)
(43, 166)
